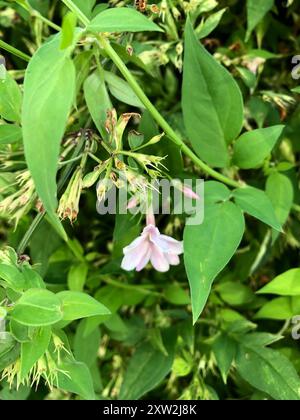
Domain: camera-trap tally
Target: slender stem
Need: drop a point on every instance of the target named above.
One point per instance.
(14, 51)
(37, 14)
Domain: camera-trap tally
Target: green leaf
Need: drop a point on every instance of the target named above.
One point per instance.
(286, 284)
(97, 100)
(210, 24)
(224, 349)
(121, 90)
(235, 293)
(253, 147)
(176, 295)
(77, 277)
(85, 6)
(269, 371)
(122, 19)
(256, 11)
(212, 103)
(33, 350)
(280, 191)
(68, 30)
(281, 309)
(80, 305)
(10, 99)
(12, 276)
(49, 89)
(215, 192)
(75, 377)
(147, 368)
(256, 203)
(20, 332)
(209, 247)
(10, 134)
(37, 308)
(86, 346)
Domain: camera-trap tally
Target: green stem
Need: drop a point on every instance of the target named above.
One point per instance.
(38, 15)
(148, 104)
(14, 51)
(23, 244)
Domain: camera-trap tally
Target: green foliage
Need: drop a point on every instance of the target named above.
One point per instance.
(94, 94)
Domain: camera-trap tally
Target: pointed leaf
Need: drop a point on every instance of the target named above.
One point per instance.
(122, 19)
(209, 247)
(212, 103)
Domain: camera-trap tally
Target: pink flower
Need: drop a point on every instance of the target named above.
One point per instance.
(161, 250)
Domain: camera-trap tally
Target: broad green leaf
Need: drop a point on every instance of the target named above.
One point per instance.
(80, 305)
(256, 11)
(68, 30)
(10, 134)
(122, 19)
(286, 284)
(212, 103)
(253, 147)
(279, 309)
(37, 308)
(282, 308)
(210, 24)
(256, 203)
(10, 99)
(269, 371)
(296, 90)
(12, 277)
(49, 89)
(215, 192)
(209, 247)
(33, 350)
(224, 349)
(82, 67)
(75, 377)
(121, 90)
(147, 368)
(97, 100)
(280, 191)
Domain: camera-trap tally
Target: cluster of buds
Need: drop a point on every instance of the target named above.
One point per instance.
(18, 204)
(69, 203)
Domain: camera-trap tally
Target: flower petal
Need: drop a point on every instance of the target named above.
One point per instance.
(135, 244)
(135, 256)
(169, 245)
(144, 261)
(173, 259)
(158, 259)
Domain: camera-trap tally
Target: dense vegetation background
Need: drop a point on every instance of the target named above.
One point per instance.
(241, 346)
